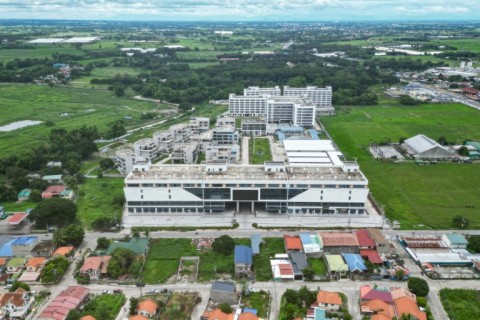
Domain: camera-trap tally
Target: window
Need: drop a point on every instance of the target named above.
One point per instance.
(330, 186)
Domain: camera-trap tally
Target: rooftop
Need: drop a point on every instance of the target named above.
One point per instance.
(137, 245)
(177, 172)
(336, 263)
(329, 297)
(338, 239)
(17, 218)
(456, 238)
(148, 305)
(354, 262)
(364, 239)
(292, 243)
(243, 254)
(225, 286)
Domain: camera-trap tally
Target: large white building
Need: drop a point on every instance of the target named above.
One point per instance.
(321, 97)
(146, 148)
(257, 91)
(125, 160)
(273, 187)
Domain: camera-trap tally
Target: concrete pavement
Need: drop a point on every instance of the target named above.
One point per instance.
(245, 150)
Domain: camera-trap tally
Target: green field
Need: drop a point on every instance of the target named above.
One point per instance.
(461, 304)
(95, 200)
(259, 150)
(417, 196)
(66, 107)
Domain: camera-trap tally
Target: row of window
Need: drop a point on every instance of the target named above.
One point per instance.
(244, 185)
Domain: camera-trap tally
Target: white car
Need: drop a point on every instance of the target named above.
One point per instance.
(153, 291)
(107, 292)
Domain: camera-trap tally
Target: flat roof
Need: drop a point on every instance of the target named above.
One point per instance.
(81, 39)
(176, 172)
(17, 218)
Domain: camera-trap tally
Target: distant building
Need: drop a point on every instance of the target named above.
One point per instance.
(321, 97)
(257, 91)
(422, 147)
(146, 148)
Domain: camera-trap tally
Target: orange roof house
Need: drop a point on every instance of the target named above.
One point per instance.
(147, 308)
(35, 263)
(378, 308)
(137, 317)
(292, 243)
(89, 317)
(247, 316)
(328, 300)
(405, 305)
(217, 314)
(62, 251)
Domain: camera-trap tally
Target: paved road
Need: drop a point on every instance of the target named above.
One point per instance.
(245, 150)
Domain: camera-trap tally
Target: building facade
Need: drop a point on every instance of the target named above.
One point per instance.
(321, 97)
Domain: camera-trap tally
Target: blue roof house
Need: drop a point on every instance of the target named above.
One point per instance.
(243, 259)
(354, 262)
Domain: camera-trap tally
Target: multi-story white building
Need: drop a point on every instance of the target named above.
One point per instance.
(199, 125)
(224, 153)
(257, 91)
(321, 97)
(273, 188)
(297, 111)
(185, 153)
(224, 136)
(181, 132)
(254, 127)
(224, 121)
(247, 106)
(203, 139)
(146, 148)
(125, 159)
(164, 141)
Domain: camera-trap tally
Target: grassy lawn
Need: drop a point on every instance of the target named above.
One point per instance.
(417, 196)
(318, 266)
(163, 258)
(258, 301)
(261, 262)
(112, 303)
(259, 150)
(95, 200)
(66, 107)
(461, 304)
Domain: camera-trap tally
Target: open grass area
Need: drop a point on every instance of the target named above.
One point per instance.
(258, 301)
(318, 266)
(66, 107)
(261, 262)
(163, 258)
(38, 51)
(105, 307)
(461, 304)
(417, 196)
(259, 150)
(95, 200)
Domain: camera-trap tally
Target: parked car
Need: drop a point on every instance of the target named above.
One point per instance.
(140, 284)
(8, 286)
(118, 291)
(153, 291)
(106, 292)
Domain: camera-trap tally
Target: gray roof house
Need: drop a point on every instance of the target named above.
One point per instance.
(422, 147)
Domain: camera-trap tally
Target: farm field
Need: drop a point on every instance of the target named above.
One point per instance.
(461, 304)
(95, 199)
(66, 107)
(416, 196)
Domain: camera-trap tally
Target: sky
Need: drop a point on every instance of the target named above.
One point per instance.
(241, 10)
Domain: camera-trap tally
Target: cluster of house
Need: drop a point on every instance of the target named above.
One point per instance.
(23, 258)
(56, 189)
(95, 266)
(444, 256)
(226, 292)
(389, 304)
(344, 253)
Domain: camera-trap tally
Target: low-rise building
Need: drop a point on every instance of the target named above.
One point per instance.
(24, 195)
(71, 298)
(336, 266)
(92, 267)
(382, 245)
(23, 246)
(330, 301)
(147, 308)
(339, 242)
(17, 303)
(292, 243)
(223, 153)
(137, 245)
(125, 159)
(186, 153)
(243, 259)
(422, 147)
(164, 140)
(44, 249)
(198, 125)
(223, 291)
(35, 264)
(455, 240)
(63, 251)
(224, 136)
(312, 244)
(146, 148)
(282, 269)
(254, 128)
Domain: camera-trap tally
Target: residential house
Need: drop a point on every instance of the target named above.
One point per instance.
(23, 246)
(455, 241)
(71, 298)
(43, 249)
(312, 244)
(282, 269)
(330, 301)
(88, 317)
(35, 264)
(54, 178)
(63, 251)
(53, 191)
(15, 265)
(17, 303)
(147, 308)
(243, 259)
(354, 262)
(137, 245)
(223, 291)
(216, 314)
(6, 250)
(339, 242)
(336, 266)
(93, 266)
(299, 262)
(364, 239)
(292, 244)
(24, 195)
(381, 244)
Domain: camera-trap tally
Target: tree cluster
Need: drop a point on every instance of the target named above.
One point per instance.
(418, 286)
(54, 270)
(71, 235)
(224, 245)
(54, 212)
(124, 261)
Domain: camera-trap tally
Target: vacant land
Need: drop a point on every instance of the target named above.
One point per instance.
(258, 301)
(104, 307)
(259, 149)
(417, 196)
(461, 304)
(67, 108)
(261, 262)
(99, 198)
(180, 306)
(318, 266)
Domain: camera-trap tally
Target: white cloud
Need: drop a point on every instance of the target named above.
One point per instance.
(237, 9)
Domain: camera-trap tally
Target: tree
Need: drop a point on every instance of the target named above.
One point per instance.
(418, 286)
(135, 233)
(103, 243)
(409, 101)
(298, 81)
(106, 163)
(224, 245)
(19, 284)
(399, 274)
(463, 151)
(103, 223)
(71, 235)
(474, 243)
(54, 270)
(54, 211)
(146, 233)
(73, 314)
(133, 305)
(225, 307)
(308, 273)
(459, 222)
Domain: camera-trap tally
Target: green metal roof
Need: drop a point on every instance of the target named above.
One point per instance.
(456, 238)
(53, 177)
(475, 144)
(16, 262)
(336, 263)
(25, 193)
(137, 245)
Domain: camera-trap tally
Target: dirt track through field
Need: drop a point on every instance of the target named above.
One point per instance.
(367, 115)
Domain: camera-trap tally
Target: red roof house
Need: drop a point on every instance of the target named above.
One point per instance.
(365, 241)
(292, 243)
(53, 191)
